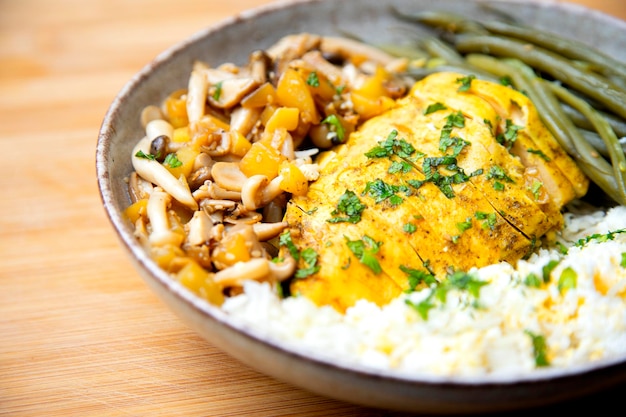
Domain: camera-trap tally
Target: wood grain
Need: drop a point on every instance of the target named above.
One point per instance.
(82, 335)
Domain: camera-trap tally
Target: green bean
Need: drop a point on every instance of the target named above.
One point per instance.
(618, 125)
(567, 134)
(447, 21)
(603, 128)
(567, 48)
(597, 142)
(590, 84)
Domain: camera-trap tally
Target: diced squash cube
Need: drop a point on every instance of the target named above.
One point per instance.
(176, 108)
(283, 117)
(293, 180)
(231, 249)
(239, 145)
(181, 134)
(182, 163)
(367, 107)
(165, 255)
(373, 87)
(261, 159)
(292, 91)
(265, 94)
(200, 281)
(136, 210)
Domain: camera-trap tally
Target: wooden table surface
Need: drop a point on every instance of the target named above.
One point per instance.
(80, 332)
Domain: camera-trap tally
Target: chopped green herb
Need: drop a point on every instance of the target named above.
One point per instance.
(498, 173)
(417, 276)
(532, 280)
(217, 93)
(381, 191)
(409, 228)
(547, 270)
(506, 81)
(309, 258)
(402, 167)
(510, 134)
(466, 281)
(466, 82)
(623, 261)
(285, 240)
(142, 154)
(336, 127)
(567, 280)
(391, 146)
(535, 188)
(422, 308)
(539, 349)
(434, 108)
(539, 153)
(313, 79)
(365, 250)
(349, 209)
(172, 161)
(597, 237)
(463, 226)
(561, 248)
(489, 220)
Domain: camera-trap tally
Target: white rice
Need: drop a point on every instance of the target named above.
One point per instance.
(580, 325)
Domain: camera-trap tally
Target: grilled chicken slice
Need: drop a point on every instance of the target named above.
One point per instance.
(413, 214)
(544, 159)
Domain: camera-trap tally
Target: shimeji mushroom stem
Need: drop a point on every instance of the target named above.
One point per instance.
(153, 171)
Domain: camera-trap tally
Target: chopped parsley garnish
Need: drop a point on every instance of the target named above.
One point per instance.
(547, 270)
(432, 108)
(417, 276)
(443, 182)
(142, 154)
(400, 167)
(172, 161)
(466, 281)
(567, 280)
(463, 226)
(488, 220)
(391, 146)
(349, 209)
(285, 240)
(466, 82)
(506, 81)
(539, 153)
(532, 280)
(509, 136)
(313, 79)
(446, 139)
(535, 188)
(498, 174)
(597, 237)
(217, 93)
(381, 191)
(309, 258)
(622, 263)
(456, 280)
(539, 349)
(336, 127)
(409, 228)
(365, 250)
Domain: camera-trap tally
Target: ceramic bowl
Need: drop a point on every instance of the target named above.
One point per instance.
(231, 41)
